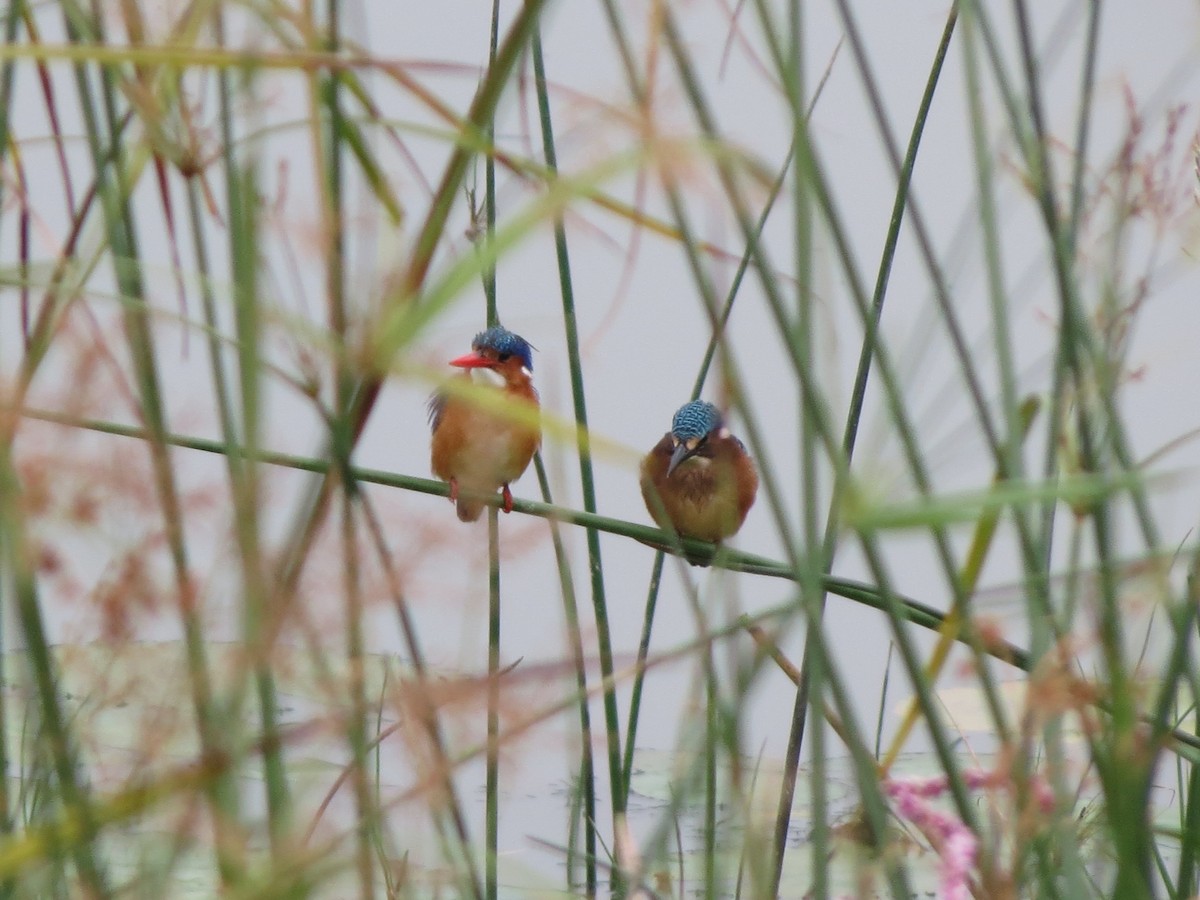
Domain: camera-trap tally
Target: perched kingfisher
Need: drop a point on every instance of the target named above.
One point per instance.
(699, 479)
(476, 447)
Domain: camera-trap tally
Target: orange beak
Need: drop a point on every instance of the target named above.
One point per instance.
(472, 360)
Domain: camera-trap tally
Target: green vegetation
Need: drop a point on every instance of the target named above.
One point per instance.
(152, 264)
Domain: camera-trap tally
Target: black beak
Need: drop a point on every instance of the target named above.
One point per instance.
(682, 452)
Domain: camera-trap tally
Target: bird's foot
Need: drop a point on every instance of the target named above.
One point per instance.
(508, 499)
(453, 490)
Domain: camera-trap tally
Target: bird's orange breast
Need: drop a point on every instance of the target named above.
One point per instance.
(706, 498)
(483, 447)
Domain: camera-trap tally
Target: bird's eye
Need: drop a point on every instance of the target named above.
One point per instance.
(503, 357)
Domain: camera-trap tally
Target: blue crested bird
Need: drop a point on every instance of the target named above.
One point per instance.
(476, 446)
(699, 480)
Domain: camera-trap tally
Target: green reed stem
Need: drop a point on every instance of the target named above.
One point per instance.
(946, 308)
(907, 654)
(612, 721)
(587, 766)
(715, 338)
(1189, 808)
(807, 163)
(366, 811)
(331, 145)
(223, 793)
(810, 692)
(1033, 556)
(114, 192)
(7, 83)
(260, 620)
(639, 674)
(1125, 775)
(54, 721)
(690, 246)
(241, 186)
(492, 777)
(8, 78)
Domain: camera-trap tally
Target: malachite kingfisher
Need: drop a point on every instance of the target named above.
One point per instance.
(699, 480)
(482, 442)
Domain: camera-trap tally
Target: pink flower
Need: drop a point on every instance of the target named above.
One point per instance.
(956, 846)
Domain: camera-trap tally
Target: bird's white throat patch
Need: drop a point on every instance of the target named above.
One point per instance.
(487, 376)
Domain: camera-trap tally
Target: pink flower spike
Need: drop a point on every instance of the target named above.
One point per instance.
(957, 858)
(934, 786)
(955, 844)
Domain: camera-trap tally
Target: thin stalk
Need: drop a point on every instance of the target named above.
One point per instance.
(1034, 555)
(8, 79)
(639, 674)
(711, 740)
(873, 803)
(1124, 771)
(808, 163)
(114, 192)
(53, 718)
(489, 174)
(637, 89)
(587, 767)
(366, 810)
(715, 338)
(492, 778)
(717, 730)
(977, 553)
(7, 83)
(1183, 618)
(1035, 546)
(587, 480)
(1189, 807)
(1087, 90)
(492, 781)
(241, 189)
(257, 614)
(991, 245)
(948, 315)
(814, 400)
(330, 146)
(1032, 142)
(941, 290)
(976, 20)
(223, 792)
(448, 819)
(810, 693)
(59, 293)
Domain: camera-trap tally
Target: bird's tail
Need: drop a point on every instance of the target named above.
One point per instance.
(469, 510)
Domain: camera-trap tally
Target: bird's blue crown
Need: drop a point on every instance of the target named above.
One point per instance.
(504, 341)
(694, 420)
